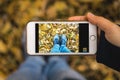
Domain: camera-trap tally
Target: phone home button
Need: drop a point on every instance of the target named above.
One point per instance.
(92, 37)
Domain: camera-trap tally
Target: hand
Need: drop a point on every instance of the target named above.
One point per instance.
(112, 31)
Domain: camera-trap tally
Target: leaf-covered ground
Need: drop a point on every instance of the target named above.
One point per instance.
(14, 15)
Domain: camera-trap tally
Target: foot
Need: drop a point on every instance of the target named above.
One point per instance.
(63, 40)
(56, 39)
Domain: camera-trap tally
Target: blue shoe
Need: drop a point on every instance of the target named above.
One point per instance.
(56, 39)
(63, 40)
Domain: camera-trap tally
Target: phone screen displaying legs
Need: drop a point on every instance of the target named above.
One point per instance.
(62, 37)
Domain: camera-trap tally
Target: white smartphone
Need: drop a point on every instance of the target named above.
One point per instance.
(61, 38)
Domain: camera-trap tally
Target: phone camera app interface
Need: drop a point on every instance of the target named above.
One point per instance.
(62, 37)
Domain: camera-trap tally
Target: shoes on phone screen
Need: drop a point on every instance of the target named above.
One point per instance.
(63, 39)
(56, 39)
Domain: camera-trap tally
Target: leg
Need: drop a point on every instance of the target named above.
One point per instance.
(58, 69)
(63, 47)
(31, 69)
(56, 45)
(55, 49)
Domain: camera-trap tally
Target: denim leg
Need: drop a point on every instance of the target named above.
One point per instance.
(64, 49)
(31, 69)
(58, 69)
(55, 48)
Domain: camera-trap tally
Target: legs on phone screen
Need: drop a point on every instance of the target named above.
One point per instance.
(55, 49)
(31, 69)
(63, 47)
(56, 46)
(60, 44)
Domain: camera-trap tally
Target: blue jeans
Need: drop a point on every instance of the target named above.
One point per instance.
(57, 49)
(35, 68)
(31, 69)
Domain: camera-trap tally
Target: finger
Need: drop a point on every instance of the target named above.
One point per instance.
(101, 22)
(78, 18)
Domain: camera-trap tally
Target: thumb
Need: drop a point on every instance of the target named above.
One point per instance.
(111, 30)
(101, 22)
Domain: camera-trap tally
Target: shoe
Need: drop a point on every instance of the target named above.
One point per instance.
(63, 40)
(56, 39)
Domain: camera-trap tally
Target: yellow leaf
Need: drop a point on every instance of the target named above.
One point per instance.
(24, 4)
(17, 53)
(3, 47)
(6, 28)
(60, 6)
(74, 3)
(51, 12)
(44, 27)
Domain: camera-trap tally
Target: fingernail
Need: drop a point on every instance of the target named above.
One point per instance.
(91, 15)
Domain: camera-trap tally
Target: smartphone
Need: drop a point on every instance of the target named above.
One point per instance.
(61, 38)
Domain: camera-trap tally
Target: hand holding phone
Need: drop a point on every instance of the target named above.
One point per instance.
(61, 38)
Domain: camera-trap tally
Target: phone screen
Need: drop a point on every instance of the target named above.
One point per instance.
(62, 37)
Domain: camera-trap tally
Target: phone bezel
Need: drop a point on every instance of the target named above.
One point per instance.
(31, 38)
